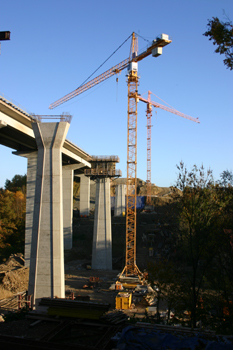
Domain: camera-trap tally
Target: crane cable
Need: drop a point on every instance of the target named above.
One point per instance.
(143, 38)
(105, 61)
(163, 101)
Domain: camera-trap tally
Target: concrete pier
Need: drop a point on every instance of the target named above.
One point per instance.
(84, 195)
(119, 200)
(30, 199)
(68, 181)
(102, 237)
(103, 168)
(46, 277)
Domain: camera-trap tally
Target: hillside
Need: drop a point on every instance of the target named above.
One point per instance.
(160, 195)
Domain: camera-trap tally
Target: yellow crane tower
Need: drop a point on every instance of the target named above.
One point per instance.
(155, 48)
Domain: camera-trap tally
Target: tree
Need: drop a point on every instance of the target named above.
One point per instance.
(200, 230)
(198, 275)
(222, 35)
(163, 276)
(220, 276)
(18, 183)
(12, 222)
(226, 178)
(7, 217)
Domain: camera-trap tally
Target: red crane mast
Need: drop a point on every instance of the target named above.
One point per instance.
(149, 115)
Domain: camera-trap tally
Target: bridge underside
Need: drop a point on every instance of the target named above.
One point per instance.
(22, 143)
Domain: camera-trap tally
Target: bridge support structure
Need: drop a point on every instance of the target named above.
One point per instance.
(102, 235)
(67, 185)
(103, 168)
(84, 195)
(46, 276)
(30, 200)
(119, 208)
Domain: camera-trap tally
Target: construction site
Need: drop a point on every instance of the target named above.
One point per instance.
(98, 308)
(83, 282)
(104, 304)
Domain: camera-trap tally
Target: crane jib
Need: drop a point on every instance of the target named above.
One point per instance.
(168, 109)
(112, 71)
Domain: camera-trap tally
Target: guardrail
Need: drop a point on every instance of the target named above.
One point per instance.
(14, 104)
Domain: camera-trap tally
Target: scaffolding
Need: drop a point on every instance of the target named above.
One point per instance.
(103, 167)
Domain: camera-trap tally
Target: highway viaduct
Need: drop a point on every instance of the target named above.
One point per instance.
(52, 162)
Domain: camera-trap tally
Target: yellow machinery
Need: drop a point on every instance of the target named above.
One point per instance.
(123, 300)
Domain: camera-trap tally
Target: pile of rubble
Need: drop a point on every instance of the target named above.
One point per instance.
(13, 276)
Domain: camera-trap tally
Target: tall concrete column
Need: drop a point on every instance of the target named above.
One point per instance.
(46, 277)
(84, 195)
(68, 180)
(102, 237)
(119, 200)
(30, 199)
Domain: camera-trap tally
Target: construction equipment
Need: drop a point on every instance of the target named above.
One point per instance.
(123, 300)
(149, 115)
(155, 49)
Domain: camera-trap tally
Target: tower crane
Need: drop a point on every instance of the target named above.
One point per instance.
(154, 49)
(149, 115)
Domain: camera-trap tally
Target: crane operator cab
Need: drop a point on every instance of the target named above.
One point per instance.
(133, 68)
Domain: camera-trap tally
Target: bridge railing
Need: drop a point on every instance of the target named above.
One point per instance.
(62, 117)
(14, 104)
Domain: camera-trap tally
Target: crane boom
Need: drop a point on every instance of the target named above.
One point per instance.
(168, 109)
(159, 42)
(149, 114)
(112, 71)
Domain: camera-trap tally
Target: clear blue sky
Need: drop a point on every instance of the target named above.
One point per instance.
(56, 44)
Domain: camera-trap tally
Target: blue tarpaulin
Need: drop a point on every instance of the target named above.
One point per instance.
(135, 338)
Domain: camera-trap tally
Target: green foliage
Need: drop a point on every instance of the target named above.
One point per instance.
(200, 271)
(226, 178)
(204, 212)
(18, 183)
(12, 222)
(222, 35)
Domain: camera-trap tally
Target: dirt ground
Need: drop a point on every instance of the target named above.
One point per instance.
(15, 281)
(77, 276)
(13, 276)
